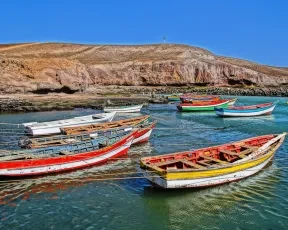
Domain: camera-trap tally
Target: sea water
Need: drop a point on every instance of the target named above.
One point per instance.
(90, 199)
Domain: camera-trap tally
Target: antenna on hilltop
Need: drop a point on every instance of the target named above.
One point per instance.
(164, 39)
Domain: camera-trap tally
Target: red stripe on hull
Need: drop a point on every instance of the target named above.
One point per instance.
(143, 141)
(121, 153)
(34, 163)
(142, 132)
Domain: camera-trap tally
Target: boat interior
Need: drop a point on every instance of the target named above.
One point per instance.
(58, 151)
(250, 106)
(57, 140)
(108, 125)
(206, 158)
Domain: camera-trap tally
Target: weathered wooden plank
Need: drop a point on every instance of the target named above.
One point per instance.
(228, 152)
(204, 162)
(214, 159)
(193, 164)
(245, 152)
(167, 162)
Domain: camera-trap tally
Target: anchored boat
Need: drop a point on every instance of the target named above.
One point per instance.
(246, 111)
(213, 165)
(143, 133)
(202, 106)
(64, 158)
(124, 109)
(105, 126)
(54, 127)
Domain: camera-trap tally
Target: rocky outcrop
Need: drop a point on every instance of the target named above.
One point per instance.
(69, 68)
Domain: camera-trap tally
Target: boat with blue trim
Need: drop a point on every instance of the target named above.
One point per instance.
(246, 111)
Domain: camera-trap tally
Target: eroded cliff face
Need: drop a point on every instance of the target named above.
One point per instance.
(54, 67)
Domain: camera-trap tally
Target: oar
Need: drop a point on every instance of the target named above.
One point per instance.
(261, 149)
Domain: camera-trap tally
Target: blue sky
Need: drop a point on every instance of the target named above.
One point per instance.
(255, 30)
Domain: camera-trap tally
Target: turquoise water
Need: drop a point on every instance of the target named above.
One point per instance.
(79, 200)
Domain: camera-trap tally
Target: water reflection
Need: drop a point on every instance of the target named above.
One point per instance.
(23, 188)
(199, 208)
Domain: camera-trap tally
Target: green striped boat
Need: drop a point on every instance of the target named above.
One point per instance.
(204, 106)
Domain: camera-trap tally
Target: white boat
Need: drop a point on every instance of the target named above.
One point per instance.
(54, 127)
(124, 109)
(246, 111)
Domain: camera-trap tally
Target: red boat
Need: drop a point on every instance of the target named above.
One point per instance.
(59, 158)
(144, 133)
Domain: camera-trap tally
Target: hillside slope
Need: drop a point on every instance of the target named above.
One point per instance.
(57, 67)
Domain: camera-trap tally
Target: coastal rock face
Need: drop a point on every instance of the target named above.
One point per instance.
(68, 68)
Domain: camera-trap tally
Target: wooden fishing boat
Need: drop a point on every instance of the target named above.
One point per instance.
(188, 100)
(124, 109)
(213, 165)
(143, 133)
(64, 158)
(54, 127)
(246, 111)
(105, 126)
(202, 106)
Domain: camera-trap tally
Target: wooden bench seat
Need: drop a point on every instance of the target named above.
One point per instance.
(193, 164)
(214, 159)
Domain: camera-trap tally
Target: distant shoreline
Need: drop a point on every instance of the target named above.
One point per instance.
(118, 95)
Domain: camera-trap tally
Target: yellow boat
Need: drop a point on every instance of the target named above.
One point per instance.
(213, 165)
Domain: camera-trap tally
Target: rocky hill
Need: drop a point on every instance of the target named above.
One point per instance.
(56, 67)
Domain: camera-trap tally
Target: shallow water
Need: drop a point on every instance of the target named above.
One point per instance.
(86, 199)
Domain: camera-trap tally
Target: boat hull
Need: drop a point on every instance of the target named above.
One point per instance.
(143, 134)
(128, 109)
(65, 163)
(204, 182)
(244, 113)
(193, 108)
